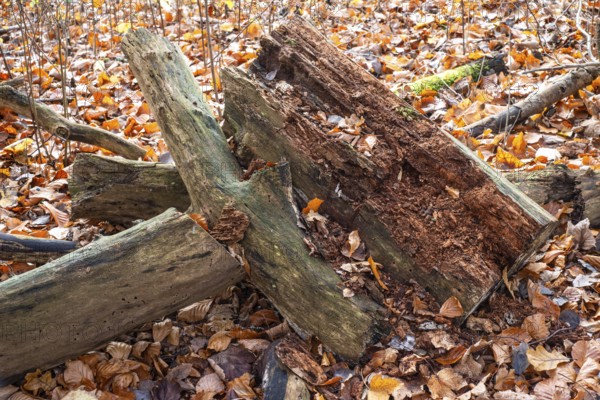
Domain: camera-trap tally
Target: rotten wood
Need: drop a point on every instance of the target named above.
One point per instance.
(304, 289)
(121, 191)
(426, 206)
(33, 250)
(537, 102)
(66, 129)
(82, 300)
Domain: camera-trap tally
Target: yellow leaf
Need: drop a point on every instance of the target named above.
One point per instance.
(98, 3)
(375, 271)
(381, 387)
(313, 205)
(123, 27)
(504, 157)
(227, 27)
(542, 360)
(151, 127)
(451, 308)
(253, 30)
(519, 144)
(19, 147)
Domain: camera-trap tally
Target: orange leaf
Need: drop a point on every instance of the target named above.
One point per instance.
(519, 144)
(111, 124)
(453, 356)
(504, 157)
(200, 220)
(313, 205)
(151, 127)
(376, 273)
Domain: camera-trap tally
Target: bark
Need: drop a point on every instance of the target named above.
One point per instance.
(475, 70)
(426, 206)
(559, 183)
(84, 299)
(304, 289)
(15, 82)
(537, 102)
(33, 250)
(121, 191)
(66, 129)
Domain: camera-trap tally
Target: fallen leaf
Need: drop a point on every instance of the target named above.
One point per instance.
(451, 308)
(453, 356)
(312, 205)
(542, 360)
(351, 244)
(375, 271)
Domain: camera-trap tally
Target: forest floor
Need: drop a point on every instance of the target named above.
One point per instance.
(537, 338)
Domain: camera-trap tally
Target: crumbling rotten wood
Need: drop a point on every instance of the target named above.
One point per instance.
(84, 299)
(121, 191)
(426, 206)
(33, 250)
(535, 103)
(66, 129)
(304, 289)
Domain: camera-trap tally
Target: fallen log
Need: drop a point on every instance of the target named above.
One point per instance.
(535, 103)
(559, 183)
(66, 129)
(98, 189)
(84, 299)
(303, 288)
(33, 250)
(476, 69)
(121, 191)
(425, 205)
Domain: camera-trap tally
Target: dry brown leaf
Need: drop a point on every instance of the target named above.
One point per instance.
(453, 356)
(445, 383)
(451, 308)
(60, 217)
(264, 318)
(78, 373)
(219, 341)
(351, 244)
(119, 350)
(536, 326)
(241, 387)
(195, 312)
(543, 360)
(160, 330)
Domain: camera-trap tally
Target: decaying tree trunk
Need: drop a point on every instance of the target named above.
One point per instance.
(159, 186)
(426, 206)
(84, 299)
(121, 191)
(66, 129)
(536, 102)
(304, 289)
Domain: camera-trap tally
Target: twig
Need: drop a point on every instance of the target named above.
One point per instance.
(588, 38)
(564, 66)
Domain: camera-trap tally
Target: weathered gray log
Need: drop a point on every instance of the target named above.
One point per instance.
(121, 191)
(66, 129)
(98, 184)
(86, 298)
(304, 289)
(559, 183)
(426, 206)
(31, 249)
(535, 103)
